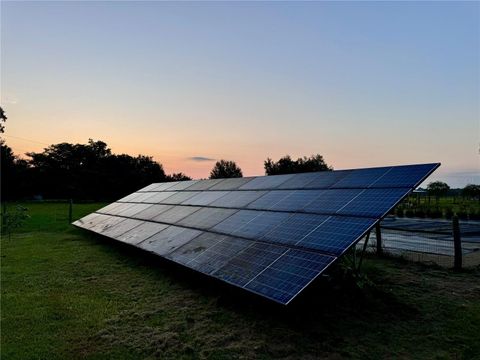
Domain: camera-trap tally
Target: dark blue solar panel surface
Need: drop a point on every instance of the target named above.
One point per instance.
(289, 274)
(271, 235)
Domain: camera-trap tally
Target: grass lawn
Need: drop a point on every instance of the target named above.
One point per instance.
(454, 204)
(68, 294)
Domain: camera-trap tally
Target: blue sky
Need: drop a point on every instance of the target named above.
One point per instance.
(363, 84)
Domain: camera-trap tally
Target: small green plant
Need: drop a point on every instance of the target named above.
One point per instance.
(12, 220)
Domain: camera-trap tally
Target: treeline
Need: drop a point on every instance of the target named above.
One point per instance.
(79, 171)
(92, 172)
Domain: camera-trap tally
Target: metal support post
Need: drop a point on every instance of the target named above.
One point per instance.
(363, 251)
(457, 243)
(378, 235)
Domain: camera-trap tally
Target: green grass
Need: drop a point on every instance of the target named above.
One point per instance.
(454, 204)
(67, 294)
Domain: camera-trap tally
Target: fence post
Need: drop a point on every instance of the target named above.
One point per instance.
(378, 235)
(70, 210)
(457, 243)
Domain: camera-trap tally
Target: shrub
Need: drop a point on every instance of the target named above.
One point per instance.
(12, 220)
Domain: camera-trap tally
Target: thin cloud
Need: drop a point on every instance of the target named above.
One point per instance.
(200, 158)
(10, 100)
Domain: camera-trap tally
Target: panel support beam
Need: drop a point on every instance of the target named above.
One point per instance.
(363, 250)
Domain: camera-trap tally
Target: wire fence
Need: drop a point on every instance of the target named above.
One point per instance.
(428, 240)
(423, 240)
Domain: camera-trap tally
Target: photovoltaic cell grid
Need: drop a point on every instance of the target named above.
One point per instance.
(271, 235)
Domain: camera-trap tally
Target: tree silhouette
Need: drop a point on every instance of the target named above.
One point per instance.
(90, 171)
(225, 169)
(178, 177)
(471, 191)
(437, 189)
(286, 165)
(79, 171)
(3, 118)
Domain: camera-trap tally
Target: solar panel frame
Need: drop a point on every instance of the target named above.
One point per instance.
(182, 185)
(248, 240)
(238, 199)
(265, 182)
(231, 184)
(268, 200)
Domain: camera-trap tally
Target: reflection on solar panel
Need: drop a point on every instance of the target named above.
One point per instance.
(271, 235)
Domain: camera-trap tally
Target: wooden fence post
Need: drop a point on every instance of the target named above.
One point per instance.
(70, 210)
(378, 235)
(457, 243)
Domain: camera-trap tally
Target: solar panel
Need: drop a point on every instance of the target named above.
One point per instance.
(270, 235)
(238, 199)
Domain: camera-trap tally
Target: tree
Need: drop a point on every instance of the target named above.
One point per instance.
(286, 165)
(3, 118)
(90, 171)
(225, 169)
(178, 177)
(13, 175)
(471, 191)
(437, 189)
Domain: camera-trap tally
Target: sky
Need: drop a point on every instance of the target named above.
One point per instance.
(361, 83)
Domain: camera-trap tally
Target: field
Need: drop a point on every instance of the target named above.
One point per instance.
(419, 205)
(67, 294)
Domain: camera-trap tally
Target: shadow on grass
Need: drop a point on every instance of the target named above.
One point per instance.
(328, 299)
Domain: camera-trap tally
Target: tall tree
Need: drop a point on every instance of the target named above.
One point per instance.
(286, 165)
(225, 169)
(13, 175)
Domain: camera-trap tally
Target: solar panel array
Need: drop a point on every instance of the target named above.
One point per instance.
(271, 235)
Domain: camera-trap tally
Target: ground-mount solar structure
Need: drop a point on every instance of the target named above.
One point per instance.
(271, 235)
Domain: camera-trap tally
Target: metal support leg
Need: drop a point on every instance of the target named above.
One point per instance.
(363, 251)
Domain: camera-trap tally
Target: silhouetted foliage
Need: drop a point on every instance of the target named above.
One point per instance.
(471, 191)
(225, 169)
(90, 171)
(13, 175)
(178, 177)
(3, 118)
(286, 165)
(437, 189)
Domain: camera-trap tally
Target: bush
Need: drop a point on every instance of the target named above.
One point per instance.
(462, 215)
(12, 220)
